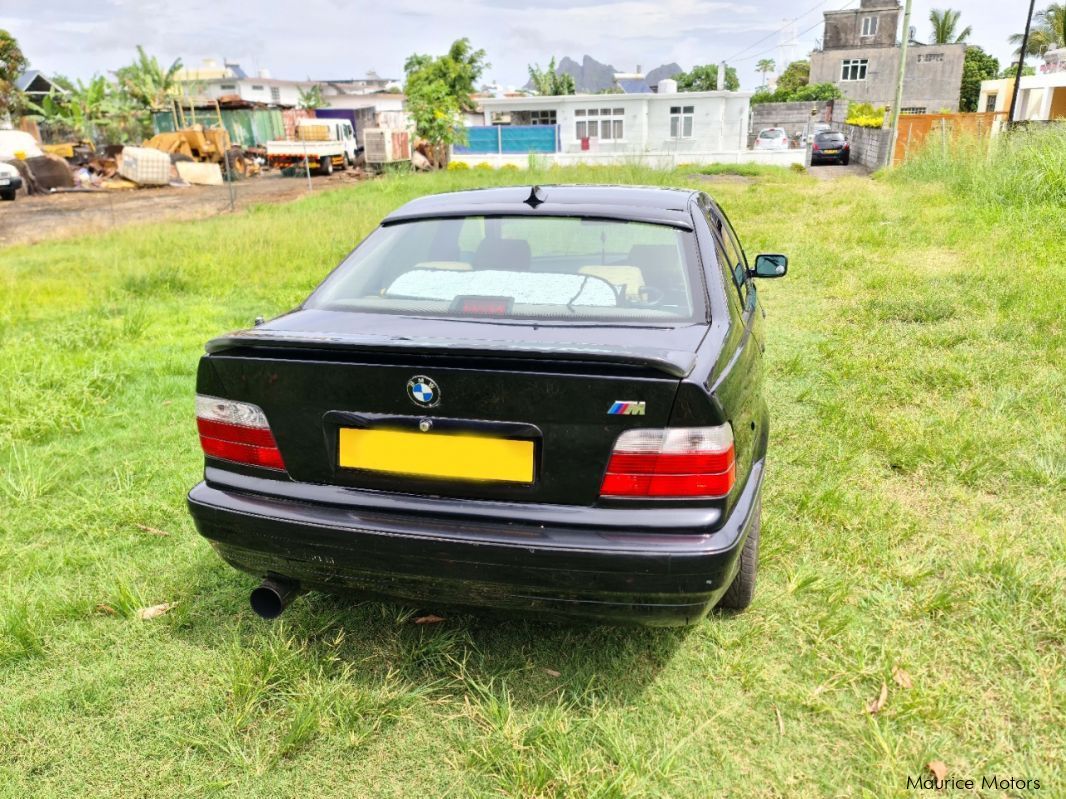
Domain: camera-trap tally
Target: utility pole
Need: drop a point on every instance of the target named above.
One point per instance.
(899, 81)
(1021, 63)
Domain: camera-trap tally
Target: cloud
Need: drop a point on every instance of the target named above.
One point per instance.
(341, 37)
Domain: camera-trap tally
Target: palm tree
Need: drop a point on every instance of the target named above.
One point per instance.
(146, 82)
(1048, 32)
(549, 82)
(944, 23)
(765, 66)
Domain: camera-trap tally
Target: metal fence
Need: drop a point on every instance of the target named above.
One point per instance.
(512, 139)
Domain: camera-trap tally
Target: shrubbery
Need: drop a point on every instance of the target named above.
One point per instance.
(814, 91)
(864, 115)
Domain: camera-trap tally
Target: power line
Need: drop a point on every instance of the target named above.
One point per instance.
(801, 33)
(774, 33)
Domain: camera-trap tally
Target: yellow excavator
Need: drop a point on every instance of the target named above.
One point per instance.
(195, 141)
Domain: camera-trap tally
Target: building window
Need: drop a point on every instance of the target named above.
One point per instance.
(681, 121)
(256, 88)
(869, 26)
(275, 94)
(990, 103)
(853, 69)
(912, 109)
(228, 87)
(606, 124)
(542, 117)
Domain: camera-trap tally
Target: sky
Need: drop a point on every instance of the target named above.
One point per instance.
(334, 39)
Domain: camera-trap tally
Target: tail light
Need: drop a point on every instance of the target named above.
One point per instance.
(236, 431)
(679, 462)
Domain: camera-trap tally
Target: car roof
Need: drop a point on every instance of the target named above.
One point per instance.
(629, 203)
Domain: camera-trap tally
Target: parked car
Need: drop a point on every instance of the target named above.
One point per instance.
(10, 181)
(830, 146)
(814, 130)
(545, 399)
(772, 139)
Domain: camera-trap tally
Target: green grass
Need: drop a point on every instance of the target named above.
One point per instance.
(914, 515)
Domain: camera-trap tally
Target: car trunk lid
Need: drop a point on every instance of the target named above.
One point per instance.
(570, 391)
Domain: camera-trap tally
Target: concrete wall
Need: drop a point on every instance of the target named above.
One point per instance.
(933, 76)
(869, 146)
(656, 160)
(793, 117)
(844, 28)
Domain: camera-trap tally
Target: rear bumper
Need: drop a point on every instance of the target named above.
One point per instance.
(646, 577)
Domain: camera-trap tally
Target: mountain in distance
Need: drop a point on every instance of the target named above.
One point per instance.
(591, 76)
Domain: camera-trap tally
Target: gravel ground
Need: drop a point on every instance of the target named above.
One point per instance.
(49, 216)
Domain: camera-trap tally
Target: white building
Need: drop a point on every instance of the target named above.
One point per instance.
(212, 80)
(660, 129)
(1041, 97)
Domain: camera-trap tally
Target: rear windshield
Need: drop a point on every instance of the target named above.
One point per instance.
(771, 133)
(831, 136)
(551, 268)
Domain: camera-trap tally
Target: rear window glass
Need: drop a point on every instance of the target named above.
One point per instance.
(829, 137)
(519, 267)
(771, 133)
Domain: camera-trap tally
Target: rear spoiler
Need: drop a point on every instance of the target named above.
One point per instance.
(669, 362)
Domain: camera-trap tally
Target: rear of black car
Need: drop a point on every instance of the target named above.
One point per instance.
(830, 147)
(463, 455)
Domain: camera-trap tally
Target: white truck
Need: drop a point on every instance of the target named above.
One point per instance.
(321, 144)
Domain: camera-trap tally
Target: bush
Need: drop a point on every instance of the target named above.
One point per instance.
(509, 167)
(864, 115)
(1017, 168)
(455, 166)
(483, 166)
(812, 92)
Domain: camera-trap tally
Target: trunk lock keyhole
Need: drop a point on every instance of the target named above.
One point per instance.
(425, 425)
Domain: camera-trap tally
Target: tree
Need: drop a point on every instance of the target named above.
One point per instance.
(944, 23)
(812, 91)
(147, 83)
(1048, 31)
(311, 98)
(796, 74)
(976, 67)
(550, 82)
(705, 79)
(459, 70)
(438, 91)
(765, 66)
(91, 111)
(12, 64)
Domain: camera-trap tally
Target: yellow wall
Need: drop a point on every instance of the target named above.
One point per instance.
(1058, 103)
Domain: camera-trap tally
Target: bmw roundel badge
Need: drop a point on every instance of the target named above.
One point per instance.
(423, 391)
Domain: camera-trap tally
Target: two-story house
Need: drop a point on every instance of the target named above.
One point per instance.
(860, 55)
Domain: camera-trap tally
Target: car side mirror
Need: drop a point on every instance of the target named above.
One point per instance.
(770, 265)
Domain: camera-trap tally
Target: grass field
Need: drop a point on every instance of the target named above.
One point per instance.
(914, 520)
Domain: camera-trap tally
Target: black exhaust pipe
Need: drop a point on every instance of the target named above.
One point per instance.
(273, 596)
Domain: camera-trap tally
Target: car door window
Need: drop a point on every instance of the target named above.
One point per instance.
(731, 252)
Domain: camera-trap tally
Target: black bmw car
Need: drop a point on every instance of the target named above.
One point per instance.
(542, 398)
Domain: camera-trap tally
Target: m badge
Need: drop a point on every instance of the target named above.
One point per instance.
(626, 408)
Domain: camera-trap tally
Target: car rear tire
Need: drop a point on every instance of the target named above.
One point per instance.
(741, 591)
(846, 160)
(8, 195)
(325, 165)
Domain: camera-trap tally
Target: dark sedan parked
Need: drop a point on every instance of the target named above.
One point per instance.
(830, 147)
(545, 398)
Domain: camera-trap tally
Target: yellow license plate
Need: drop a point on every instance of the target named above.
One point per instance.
(458, 457)
(830, 152)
